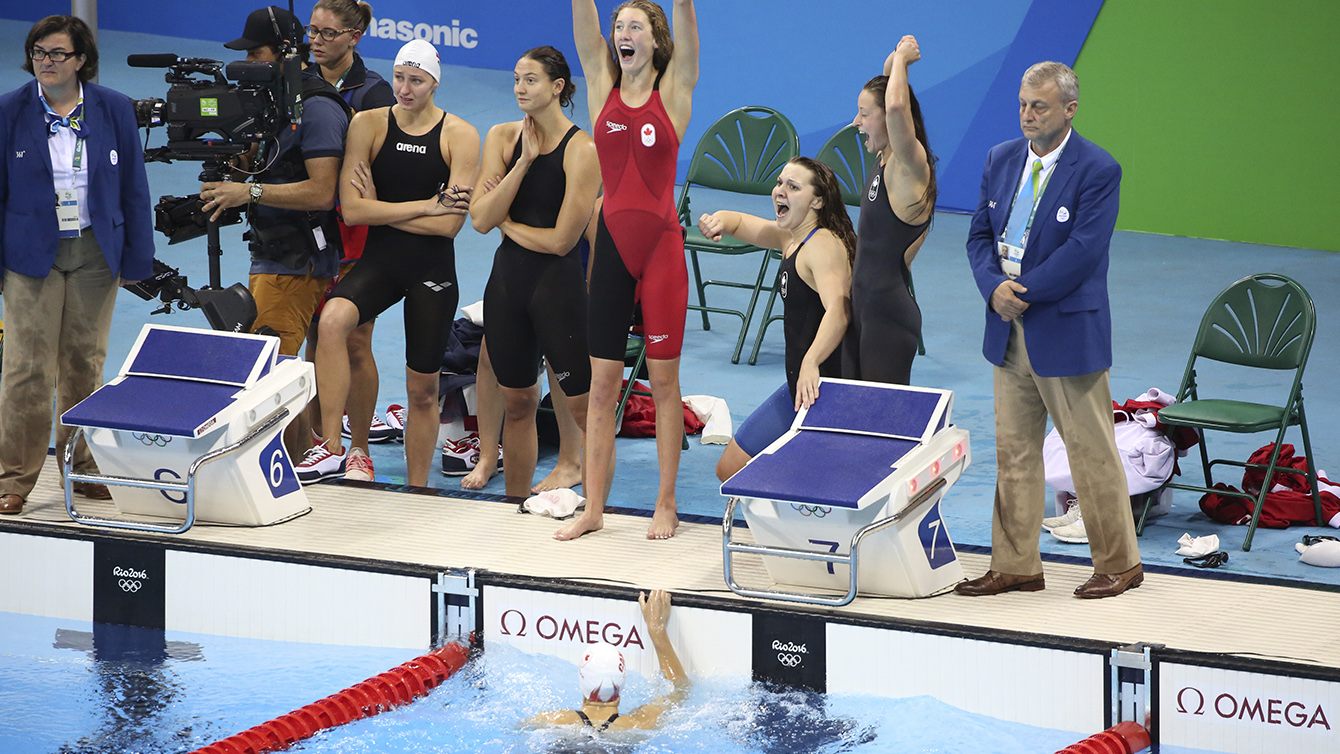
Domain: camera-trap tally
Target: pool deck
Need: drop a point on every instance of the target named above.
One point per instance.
(1270, 620)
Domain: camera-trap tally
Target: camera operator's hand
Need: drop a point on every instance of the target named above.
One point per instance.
(220, 195)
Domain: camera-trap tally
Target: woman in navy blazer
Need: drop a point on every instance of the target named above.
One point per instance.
(70, 143)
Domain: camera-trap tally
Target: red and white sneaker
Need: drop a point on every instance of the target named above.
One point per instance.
(358, 466)
(459, 457)
(378, 431)
(395, 419)
(319, 463)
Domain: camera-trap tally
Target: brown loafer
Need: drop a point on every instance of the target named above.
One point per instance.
(93, 490)
(1102, 585)
(11, 505)
(995, 582)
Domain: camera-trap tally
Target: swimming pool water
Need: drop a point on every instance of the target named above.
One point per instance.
(75, 688)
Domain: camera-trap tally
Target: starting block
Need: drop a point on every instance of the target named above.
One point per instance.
(849, 498)
(191, 428)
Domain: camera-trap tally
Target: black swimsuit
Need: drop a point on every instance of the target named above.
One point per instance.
(802, 312)
(536, 303)
(882, 337)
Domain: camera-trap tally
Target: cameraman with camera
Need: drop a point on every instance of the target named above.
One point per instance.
(294, 238)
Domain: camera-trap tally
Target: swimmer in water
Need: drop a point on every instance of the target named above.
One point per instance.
(601, 673)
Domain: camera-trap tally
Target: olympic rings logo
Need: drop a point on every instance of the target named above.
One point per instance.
(817, 511)
(152, 440)
(788, 659)
(130, 585)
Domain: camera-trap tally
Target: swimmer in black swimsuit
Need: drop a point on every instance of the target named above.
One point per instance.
(602, 675)
(896, 212)
(814, 232)
(542, 176)
(398, 161)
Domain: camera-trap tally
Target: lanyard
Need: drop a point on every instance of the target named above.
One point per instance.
(78, 154)
(1037, 197)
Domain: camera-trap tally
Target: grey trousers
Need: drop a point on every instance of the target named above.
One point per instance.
(56, 331)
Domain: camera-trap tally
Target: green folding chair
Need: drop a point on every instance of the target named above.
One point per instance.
(742, 153)
(1262, 321)
(845, 153)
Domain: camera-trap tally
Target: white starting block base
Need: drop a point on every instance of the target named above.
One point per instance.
(856, 482)
(188, 398)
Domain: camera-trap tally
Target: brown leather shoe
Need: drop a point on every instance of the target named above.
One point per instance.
(1102, 585)
(11, 505)
(93, 490)
(995, 582)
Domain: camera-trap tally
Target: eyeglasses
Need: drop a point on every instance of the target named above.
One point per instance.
(327, 34)
(57, 56)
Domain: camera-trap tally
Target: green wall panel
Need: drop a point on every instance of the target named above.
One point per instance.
(1225, 117)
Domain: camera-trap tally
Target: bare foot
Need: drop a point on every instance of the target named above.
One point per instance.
(664, 522)
(583, 524)
(479, 476)
(563, 476)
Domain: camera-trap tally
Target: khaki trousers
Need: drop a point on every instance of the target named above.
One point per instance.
(56, 331)
(1081, 409)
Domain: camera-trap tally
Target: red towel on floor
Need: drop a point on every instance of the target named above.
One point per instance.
(1282, 507)
(639, 416)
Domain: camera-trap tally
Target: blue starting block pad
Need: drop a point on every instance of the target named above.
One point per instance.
(849, 498)
(191, 428)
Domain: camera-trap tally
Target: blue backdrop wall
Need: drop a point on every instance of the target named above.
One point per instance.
(805, 59)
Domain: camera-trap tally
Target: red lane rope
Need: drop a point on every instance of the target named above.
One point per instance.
(1122, 738)
(382, 692)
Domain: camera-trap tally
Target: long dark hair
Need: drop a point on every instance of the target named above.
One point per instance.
(555, 67)
(81, 37)
(833, 215)
(879, 86)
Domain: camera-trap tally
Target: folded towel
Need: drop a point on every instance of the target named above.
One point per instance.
(560, 503)
(1194, 547)
(1325, 553)
(715, 416)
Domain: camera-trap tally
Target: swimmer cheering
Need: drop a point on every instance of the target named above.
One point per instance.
(541, 182)
(601, 675)
(408, 172)
(639, 91)
(815, 284)
(896, 210)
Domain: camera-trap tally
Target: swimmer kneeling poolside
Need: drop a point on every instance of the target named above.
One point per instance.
(602, 672)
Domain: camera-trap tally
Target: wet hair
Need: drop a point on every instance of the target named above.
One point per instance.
(660, 31)
(833, 215)
(1067, 83)
(555, 67)
(81, 37)
(352, 13)
(879, 86)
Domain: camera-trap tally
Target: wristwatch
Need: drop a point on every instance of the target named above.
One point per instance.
(256, 189)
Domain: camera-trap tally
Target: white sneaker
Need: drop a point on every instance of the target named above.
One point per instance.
(460, 457)
(1072, 534)
(395, 419)
(358, 466)
(319, 463)
(1056, 522)
(378, 431)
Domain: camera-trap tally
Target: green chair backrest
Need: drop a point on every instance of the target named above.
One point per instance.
(845, 153)
(1266, 321)
(744, 152)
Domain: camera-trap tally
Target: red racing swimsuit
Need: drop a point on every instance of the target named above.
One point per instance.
(639, 250)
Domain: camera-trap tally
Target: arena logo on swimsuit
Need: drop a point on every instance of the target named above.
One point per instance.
(416, 148)
(438, 34)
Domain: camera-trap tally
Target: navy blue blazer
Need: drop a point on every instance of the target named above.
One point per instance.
(1068, 323)
(118, 190)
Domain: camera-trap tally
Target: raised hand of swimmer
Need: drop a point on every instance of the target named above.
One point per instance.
(711, 227)
(655, 609)
(909, 49)
(362, 181)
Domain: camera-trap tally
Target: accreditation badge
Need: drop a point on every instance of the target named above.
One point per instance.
(67, 211)
(1011, 259)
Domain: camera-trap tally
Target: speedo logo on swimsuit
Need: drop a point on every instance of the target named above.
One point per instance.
(562, 376)
(415, 148)
(614, 128)
(656, 338)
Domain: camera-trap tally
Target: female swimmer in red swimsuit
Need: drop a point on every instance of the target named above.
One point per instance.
(639, 88)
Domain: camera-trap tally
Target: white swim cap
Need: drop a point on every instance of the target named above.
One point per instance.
(601, 673)
(422, 55)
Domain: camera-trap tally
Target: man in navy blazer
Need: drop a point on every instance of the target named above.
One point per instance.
(1038, 247)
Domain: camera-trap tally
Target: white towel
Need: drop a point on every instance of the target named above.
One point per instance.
(1194, 547)
(474, 312)
(1325, 553)
(560, 503)
(715, 416)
